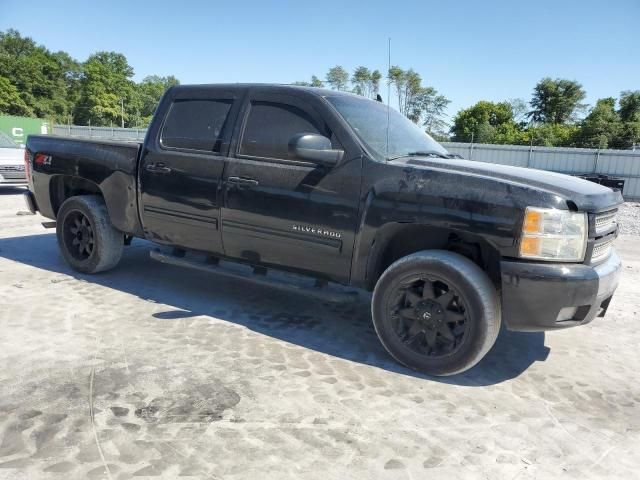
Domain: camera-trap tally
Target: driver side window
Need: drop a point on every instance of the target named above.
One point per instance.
(269, 128)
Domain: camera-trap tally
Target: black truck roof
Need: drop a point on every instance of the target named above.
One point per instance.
(276, 87)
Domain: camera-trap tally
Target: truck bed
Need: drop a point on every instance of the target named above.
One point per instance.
(83, 163)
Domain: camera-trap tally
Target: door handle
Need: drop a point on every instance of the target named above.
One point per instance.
(242, 182)
(157, 168)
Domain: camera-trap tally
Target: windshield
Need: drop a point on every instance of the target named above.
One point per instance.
(369, 120)
(6, 141)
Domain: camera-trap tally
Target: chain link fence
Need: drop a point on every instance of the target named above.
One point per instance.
(114, 133)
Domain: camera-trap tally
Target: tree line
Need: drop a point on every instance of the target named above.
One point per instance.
(36, 82)
(555, 115)
(100, 91)
(422, 104)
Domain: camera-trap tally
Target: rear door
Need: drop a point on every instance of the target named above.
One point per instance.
(283, 211)
(181, 170)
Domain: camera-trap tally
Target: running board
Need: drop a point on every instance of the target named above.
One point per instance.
(261, 276)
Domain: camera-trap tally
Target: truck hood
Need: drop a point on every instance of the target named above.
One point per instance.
(588, 196)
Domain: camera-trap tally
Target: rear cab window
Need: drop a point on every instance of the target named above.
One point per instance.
(196, 125)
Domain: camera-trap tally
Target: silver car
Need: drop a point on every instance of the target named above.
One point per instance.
(11, 162)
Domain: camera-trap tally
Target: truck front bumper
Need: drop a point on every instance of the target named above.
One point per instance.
(547, 296)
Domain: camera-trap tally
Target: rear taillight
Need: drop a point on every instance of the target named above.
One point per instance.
(27, 164)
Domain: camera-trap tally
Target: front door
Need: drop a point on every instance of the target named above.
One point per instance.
(284, 211)
(181, 170)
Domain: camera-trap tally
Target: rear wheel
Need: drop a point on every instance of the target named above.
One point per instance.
(436, 312)
(87, 240)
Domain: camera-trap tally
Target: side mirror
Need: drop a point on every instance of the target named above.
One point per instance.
(314, 147)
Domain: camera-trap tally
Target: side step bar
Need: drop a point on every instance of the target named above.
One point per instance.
(280, 280)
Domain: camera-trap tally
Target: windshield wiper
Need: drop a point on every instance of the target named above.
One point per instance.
(420, 154)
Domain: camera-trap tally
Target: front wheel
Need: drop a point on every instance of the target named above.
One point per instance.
(436, 312)
(87, 240)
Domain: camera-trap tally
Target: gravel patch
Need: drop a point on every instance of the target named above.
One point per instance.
(629, 218)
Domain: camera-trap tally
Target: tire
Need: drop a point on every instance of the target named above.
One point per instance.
(442, 292)
(87, 240)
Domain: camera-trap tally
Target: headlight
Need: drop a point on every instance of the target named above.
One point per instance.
(556, 235)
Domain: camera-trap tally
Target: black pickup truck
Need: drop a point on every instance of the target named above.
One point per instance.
(343, 189)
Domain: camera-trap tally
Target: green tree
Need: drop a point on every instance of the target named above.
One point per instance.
(420, 104)
(428, 108)
(44, 80)
(495, 122)
(629, 112)
(338, 78)
(315, 82)
(53, 85)
(629, 135)
(10, 101)
(630, 106)
(361, 79)
(150, 90)
(602, 127)
(366, 82)
(520, 110)
(552, 135)
(376, 76)
(105, 86)
(72, 72)
(481, 122)
(407, 84)
(556, 101)
(510, 133)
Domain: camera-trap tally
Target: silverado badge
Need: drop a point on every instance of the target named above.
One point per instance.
(323, 232)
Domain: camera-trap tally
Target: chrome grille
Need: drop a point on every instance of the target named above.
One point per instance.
(601, 250)
(605, 221)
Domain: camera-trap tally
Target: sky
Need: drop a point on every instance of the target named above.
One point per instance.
(468, 50)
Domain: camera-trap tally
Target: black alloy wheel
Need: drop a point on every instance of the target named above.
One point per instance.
(436, 311)
(429, 316)
(78, 235)
(87, 239)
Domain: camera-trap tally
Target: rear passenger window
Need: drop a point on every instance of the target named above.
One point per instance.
(196, 124)
(269, 128)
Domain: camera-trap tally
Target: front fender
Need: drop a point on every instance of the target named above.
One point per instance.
(443, 203)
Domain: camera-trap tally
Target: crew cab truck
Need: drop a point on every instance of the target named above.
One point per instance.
(347, 190)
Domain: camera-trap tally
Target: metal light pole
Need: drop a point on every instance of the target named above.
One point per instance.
(122, 111)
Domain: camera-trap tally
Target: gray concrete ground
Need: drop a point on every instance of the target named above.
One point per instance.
(159, 372)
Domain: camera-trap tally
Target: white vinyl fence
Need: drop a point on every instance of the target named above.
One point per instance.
(623, 164)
